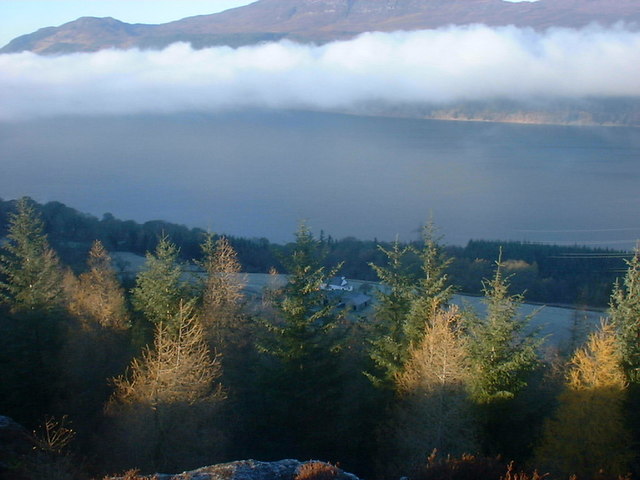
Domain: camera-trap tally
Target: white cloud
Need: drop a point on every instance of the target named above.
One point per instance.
(435, 66)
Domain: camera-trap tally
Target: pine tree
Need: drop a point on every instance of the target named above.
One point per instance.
(30, 274)
(588, 436)
(624, 311)
(389, 345)
(159, 288)
(163, 410)
(433, 409)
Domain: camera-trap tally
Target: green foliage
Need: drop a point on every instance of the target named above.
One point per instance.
(406, 305)
(502, 354)
(30, 287)
(30, 276)
(433, 291)
(305, 315)
(159, 288)
(389, 344)
(301, 344)
(624, 312)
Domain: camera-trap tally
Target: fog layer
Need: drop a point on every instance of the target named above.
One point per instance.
(436, 66)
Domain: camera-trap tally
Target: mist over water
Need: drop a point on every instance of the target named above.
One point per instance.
(257, 173)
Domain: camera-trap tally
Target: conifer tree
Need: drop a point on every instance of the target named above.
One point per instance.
(96, 344)
(30, 291)
(502, 354)
(159, 288)
(408, 305)
(587, 435)
(30, 274)
(302, 344)
(96, 298)
(433, 409)
(433, 291)
(624, 311)
(389, 345)
(222, 295)
(164, 410)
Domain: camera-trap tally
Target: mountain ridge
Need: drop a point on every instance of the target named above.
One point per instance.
(320, 21)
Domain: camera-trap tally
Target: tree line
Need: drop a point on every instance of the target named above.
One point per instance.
(179, 370)
(551, 274)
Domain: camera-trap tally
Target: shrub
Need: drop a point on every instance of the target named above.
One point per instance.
(317, 471)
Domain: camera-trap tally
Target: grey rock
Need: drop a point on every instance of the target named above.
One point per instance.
(245, 470)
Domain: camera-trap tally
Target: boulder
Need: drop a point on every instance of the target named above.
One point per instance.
(16, 443)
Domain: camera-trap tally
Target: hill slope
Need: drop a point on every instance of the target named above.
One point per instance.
(321, 21)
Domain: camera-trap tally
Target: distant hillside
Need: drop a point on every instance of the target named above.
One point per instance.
(321, 21)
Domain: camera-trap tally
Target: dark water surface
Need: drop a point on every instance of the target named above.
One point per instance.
(258, 173)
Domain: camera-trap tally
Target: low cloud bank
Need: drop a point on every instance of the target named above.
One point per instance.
(454, 64)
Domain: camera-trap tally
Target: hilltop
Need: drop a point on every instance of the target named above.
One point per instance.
(319, 22)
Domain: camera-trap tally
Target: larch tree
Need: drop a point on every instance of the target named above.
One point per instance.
(96, 296)
(222, 294)
(163, 410)
(96, 344)
(587, 435)
(624, 311)
(433, 410)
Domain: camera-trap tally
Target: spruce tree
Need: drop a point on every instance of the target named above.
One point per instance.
(389, 345)
(433, 291)
(502, 353)
(30, 291)
(159, 288)
(30, 274)
(503, 357)
(301, 345)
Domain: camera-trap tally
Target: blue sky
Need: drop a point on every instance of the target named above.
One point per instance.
(18, 17)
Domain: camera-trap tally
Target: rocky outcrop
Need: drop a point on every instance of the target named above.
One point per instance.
(16, 443)
(255, 470)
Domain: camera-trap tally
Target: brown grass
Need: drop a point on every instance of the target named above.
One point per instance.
(317, 471)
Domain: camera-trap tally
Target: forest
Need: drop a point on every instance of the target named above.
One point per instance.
(550, 274)
(176, 369)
